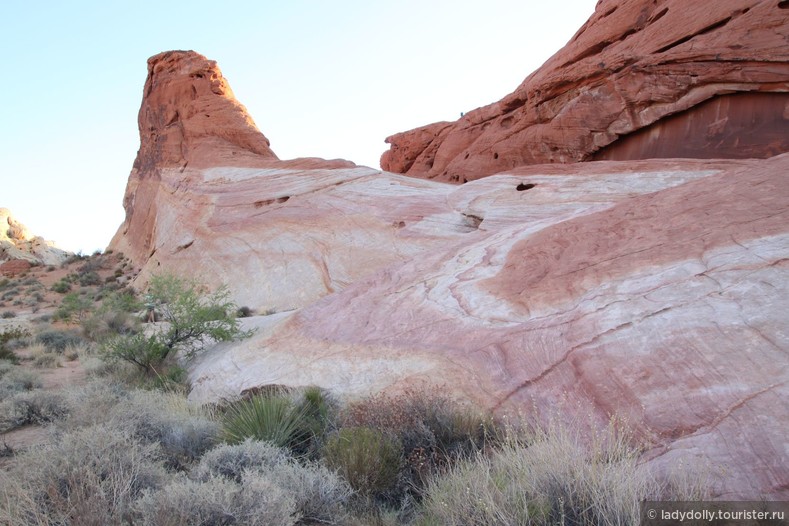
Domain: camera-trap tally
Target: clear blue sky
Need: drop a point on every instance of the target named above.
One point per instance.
(325, 79)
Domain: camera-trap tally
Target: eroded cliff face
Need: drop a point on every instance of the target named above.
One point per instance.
(654, 290)
(641, 79)
(191, 128)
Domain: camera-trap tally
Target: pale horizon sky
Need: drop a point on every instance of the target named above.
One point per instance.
(320, 79)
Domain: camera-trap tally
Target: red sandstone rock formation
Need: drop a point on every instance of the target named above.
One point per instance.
(641, 79)
(13, 267)
(653, 290)
(656, 290)
(189, 121)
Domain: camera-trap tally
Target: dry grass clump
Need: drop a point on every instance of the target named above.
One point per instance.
(32, 407)
(183, 430)
(550, 477)
(16, 379)
(89, 476)
(368, 459)
(434, 432)
(319, 494)
(256, 501)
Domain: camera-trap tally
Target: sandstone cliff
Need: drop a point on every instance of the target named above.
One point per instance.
(652, 289)
(641, 79)
(208, 197)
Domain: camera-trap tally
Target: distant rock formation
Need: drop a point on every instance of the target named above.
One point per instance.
(641, 79)
(18, 243)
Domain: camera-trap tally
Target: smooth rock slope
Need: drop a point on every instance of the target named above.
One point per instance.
(656, 291)
(641, 79)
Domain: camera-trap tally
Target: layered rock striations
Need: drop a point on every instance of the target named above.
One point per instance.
(207, 197)
(641, 79)
(654, 290)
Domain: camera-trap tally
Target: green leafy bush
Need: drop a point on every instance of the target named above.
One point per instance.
(191, 316)
(62, 286)
(9, 314)
(367, 458)
(73, 308)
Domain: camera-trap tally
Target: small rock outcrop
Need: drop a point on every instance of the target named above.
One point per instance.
(641, 79)
(18, 243)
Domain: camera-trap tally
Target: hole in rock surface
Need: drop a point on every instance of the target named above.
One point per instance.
(525, 186)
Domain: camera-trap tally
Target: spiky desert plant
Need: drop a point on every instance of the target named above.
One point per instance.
(273, 418)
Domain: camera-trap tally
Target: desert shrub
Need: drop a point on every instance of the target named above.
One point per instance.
(192, 318)
(73, 352)
(107, 323)
(89, 476)
(32, 407)
(217, 501)
(320, 412)
(46, 360)
(434, 431)
(8, 355)
(550, 478)
(5, 367)
(367, 458)
(231, 461)
(11, 293)
(319, 494)
(9, 339)
(16, 380)
(73, 308)
(183, 430)
(57, 340)
(9, 314)
(91, 403)
(273, 417)
(89, 278)
(62, 286)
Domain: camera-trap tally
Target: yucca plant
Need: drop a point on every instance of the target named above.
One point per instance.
(272, 418)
